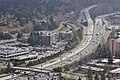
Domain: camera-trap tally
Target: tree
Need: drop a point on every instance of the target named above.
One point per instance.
(89, 74)
(58, 69)
(96, 77)
(65, 24)
(33, 39)
(7, 36)
(79, 78)
(51, 19)
(8, 67)
(110, 59)
(67, 68)
(4, 35)
(19, 35)
(103, 76)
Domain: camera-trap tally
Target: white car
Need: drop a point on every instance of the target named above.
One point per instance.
(97, 33)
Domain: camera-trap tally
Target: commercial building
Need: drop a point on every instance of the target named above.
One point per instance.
(51, 38)
(115, 73)
(24, 58)
(113, 46)
(46, 38)
(115, 61)
(94, 69)
(103, 63)
(118, 45)
(66, 35)
(7, 53)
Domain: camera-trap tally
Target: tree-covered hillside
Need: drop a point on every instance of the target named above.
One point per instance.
(14, 13)
(48, 6)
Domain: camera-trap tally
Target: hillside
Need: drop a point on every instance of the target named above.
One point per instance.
(18, 13)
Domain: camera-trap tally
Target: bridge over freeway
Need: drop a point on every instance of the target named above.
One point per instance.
(31, 69)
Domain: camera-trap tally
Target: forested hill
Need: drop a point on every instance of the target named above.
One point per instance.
(23, 11)
(49, 6)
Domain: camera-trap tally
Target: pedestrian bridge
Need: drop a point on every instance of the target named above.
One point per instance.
(39, 70)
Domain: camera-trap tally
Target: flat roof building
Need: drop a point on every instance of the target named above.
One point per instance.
(66, 35)
(46, 38)
(24, 57)
(112, 46)
(115, 73)
(95, 69)
(115, 61)
(7, 52)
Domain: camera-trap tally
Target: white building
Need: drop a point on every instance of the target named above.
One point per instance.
(115, 73)
(7, 53)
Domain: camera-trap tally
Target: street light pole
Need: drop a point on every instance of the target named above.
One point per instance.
(61, 61)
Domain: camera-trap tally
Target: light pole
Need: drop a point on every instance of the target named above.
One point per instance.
(41, 68)
(61, 61)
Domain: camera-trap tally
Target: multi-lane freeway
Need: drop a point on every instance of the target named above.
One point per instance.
(82, 49)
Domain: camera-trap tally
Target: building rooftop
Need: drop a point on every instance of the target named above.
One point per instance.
(46, 33)
(10, 50)
(24, 57)
(46, 78)
(98, 63)
(118, 40)
(114, 61)
(115, 71)
(92, 68)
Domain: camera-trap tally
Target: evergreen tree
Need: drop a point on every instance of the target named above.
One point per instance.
(110, 59)
(58, 69)
(51, 19)
(103, 76)
(65, 24)
(89, 74)
(33, 39)
(8, 67)
(79, 78)
(7, 36)
(19, 35)
(96, 77)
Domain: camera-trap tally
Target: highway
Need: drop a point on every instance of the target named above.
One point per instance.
(67, 57)
(83, 49)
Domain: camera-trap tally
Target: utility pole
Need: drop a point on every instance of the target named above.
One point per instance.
(61, 62)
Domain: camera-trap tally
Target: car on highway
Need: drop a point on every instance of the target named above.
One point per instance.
(52, 61)
(93, 41)
(97, 33)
